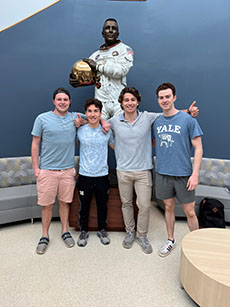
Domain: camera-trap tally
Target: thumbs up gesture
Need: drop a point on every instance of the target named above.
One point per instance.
(78, 121)
(193, 110)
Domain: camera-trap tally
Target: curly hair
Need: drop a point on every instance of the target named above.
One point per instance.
(129, 90)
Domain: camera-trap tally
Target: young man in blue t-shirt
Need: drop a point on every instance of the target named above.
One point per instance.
(93, 172)
(54, 136)
(175, 134)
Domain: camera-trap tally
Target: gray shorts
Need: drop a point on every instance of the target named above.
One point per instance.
(173, 186)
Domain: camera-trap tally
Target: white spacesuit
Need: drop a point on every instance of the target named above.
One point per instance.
(113, 64)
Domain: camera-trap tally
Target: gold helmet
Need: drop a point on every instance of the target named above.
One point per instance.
(82, 75)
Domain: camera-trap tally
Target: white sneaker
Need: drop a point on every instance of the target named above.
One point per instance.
(167, 248)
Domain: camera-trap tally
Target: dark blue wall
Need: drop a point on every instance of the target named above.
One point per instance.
(184, 42)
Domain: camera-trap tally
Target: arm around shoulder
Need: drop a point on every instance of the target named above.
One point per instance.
(80, 120)
(105, 125)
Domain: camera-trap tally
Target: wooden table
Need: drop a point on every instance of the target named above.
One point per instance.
(205, 266)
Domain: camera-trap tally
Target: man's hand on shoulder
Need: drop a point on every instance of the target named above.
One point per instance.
(105, 125)
(79, 121)
(193, 110)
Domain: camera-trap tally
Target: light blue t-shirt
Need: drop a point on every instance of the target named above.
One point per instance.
(93, 150)
(173, 137)
(58, 135)
(133, 142)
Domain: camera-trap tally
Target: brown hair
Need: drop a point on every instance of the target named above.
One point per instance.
(61, 90)
(129, 90)
(94, 101)
(165, 86)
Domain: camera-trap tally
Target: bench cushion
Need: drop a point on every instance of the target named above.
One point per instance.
(18, 197)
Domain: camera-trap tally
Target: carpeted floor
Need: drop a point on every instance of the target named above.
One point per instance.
(92, 276)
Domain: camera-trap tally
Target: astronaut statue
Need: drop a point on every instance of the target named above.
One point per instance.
(112, 63)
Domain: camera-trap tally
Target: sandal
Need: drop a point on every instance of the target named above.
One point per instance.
(68, 239)
(42, 245)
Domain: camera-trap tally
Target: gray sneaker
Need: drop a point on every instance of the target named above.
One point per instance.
(82, 240)
(104, 237)
(42, 245)
(68, 239)
(129, 239)
(145, 245)
(166, 249)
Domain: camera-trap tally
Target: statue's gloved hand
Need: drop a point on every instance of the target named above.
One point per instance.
(90, 62)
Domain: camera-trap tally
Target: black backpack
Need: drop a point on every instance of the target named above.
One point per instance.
(211, 213)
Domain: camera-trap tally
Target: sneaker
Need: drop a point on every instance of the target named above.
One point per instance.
(68, 239)
(129, 239)
(104, 237)
(42, 245)
(145, 245)
(167, 248)
(82, 240)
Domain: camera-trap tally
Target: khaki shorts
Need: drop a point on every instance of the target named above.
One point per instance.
(52, 183)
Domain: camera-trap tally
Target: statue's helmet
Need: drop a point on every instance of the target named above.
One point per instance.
(81, 75)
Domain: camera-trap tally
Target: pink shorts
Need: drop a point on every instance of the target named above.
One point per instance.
(52, 183)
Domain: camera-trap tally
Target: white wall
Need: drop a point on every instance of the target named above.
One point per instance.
(12, 12)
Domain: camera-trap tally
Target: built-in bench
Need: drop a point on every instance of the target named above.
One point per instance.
(18, 192)
(214, 182)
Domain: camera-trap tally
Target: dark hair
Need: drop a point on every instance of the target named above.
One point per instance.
(165, 86)
(94, 101)
(129, 90)
(61, 90)
(110, 19)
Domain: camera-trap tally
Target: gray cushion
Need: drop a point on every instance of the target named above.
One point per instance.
(18, 197)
